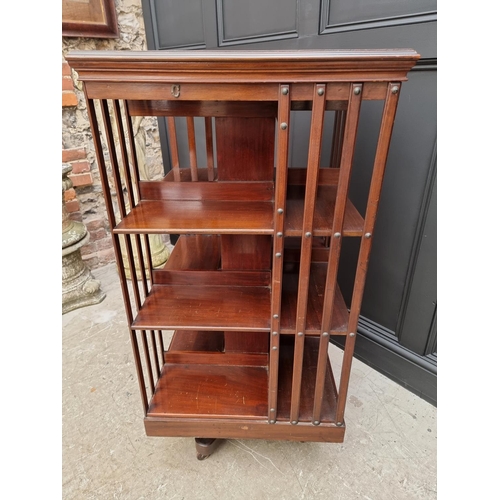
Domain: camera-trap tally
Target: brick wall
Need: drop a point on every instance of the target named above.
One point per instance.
(99, 250)
(85, 201)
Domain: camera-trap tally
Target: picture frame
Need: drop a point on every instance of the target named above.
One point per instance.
(89, 18)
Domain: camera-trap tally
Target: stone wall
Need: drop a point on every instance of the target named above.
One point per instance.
(85, 201)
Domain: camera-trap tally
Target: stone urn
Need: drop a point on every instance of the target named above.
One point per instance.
(79, 288)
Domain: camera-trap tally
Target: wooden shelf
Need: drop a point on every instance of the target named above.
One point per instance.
(314, 303)
(215, 385)
(210, 391)
(200, 208)
(323, 213)
(200, 381)
(217, 308)
(193, 276)
(220, 395)
(198, 216)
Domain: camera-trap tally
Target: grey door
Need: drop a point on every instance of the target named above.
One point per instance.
(398, 318)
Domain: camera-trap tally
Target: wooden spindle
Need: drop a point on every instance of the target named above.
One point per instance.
(210, 147)
(278, 245)
(113, 157)
(386, 126)
(123, 148)
(174, 150)
(94, 127)
(352, 121)
(313, 164)
(119, 196)
(154, 346)
(134, 196)
(149, 259)
(338, 138)
(162, 344)
(140, 372)
(193, 163)
(147, 358)
(128, 185)
(142, 268)
(117, 247)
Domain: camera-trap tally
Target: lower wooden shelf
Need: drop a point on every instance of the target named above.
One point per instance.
(216, 395)
(209, 390)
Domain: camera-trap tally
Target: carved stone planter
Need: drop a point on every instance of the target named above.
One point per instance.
(79, 288)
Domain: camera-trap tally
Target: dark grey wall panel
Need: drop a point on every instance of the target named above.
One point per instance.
(420, 37)
(178, 24)
(240, 21)
(377, 349)
(403, 192)
(346, 15)
(419, 309)
(431, 348)
(300, 125)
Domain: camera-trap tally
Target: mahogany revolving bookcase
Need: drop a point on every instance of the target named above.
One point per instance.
(250, 290)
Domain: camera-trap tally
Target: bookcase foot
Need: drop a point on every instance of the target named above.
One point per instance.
(205, 447)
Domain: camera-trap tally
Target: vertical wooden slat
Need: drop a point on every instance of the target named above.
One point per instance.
(162, 346)
(193, 163)
(338, 138)
(135, 195)
(123, 148)
(113, 156)
(313, 163)
(210, 147)
(142, 267)
(134, 202)
(147, 357)
(116, 244)
(382, 151)
(94, 127)
(174, 150)
(119, 196)
(128, 185)
(156, 357)
(149, 259)
(278, 244)
(140, 370)
(351, 130)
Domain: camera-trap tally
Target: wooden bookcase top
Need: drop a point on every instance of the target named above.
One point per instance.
(245, 66)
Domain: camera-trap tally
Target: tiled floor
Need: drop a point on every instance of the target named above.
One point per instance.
(389, 451)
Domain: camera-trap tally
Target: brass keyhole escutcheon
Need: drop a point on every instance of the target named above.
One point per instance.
(176, 90)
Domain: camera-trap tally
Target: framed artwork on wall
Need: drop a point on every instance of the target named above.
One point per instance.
(89, 18)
